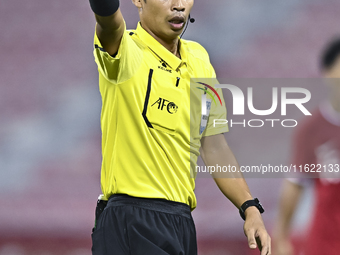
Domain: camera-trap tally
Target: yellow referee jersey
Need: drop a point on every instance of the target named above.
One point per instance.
(147, 146)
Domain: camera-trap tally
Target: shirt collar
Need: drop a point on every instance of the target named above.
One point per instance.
(157, 48)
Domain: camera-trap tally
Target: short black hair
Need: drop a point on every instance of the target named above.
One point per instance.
(330, 54)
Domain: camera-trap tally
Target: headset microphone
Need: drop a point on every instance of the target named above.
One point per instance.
(192, 20)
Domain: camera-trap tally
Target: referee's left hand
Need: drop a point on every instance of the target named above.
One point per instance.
(256, 232)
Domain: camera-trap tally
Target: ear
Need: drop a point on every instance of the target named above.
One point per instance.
(138, 3)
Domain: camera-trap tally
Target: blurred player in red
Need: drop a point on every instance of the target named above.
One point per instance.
(317, 141)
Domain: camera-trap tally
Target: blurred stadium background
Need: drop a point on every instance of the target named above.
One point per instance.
(50, 108)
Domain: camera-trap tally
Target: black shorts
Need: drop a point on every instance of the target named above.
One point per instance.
(143, 226)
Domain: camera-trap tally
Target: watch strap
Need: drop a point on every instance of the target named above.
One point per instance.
(254, 202)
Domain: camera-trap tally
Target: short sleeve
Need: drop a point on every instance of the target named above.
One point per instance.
(117, 68)
(218, 111)
(302, 145)
(303, 153)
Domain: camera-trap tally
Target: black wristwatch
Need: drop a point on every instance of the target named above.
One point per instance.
(255, 202)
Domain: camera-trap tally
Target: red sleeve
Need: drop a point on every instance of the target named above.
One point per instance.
(303, 149)
(303, 146)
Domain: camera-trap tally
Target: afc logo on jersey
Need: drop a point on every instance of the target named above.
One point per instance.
(162, 103)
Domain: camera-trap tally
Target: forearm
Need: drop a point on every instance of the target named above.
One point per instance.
(110, 23)
(215, 150)
(235, 189)
(290, 196)
(231, 184)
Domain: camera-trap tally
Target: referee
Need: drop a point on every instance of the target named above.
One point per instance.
(151, 138)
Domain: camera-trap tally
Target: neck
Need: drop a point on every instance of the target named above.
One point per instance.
(171, 45)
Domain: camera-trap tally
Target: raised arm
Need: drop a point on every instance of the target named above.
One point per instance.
(215, 151)
(110, 23)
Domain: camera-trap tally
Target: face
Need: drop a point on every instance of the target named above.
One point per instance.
(334, 71)
(164, 19)
(334, 78)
